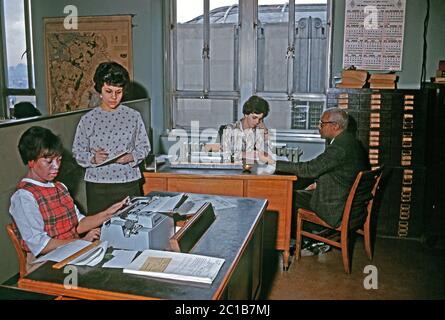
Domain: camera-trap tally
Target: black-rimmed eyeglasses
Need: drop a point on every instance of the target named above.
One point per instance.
(321, 123)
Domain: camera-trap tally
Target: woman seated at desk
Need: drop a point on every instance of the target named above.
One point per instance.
(45, 216)
(244, 138)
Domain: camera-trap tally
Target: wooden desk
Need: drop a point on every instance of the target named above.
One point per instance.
(277, 189)
(236, 235)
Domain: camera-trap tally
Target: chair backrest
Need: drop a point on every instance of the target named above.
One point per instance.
(21, 254)
(361, 198)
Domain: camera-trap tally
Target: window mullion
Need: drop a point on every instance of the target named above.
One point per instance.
(206, 48)
(3, 67)
(28, 35)
(172, 29)
(236, 53)
(291, 48)
(248, 56)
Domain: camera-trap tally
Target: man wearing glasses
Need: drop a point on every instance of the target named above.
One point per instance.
(334, 170)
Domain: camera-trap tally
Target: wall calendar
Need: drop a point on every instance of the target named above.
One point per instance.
(373, 36)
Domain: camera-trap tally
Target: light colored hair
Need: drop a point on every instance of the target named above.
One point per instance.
(338, 116)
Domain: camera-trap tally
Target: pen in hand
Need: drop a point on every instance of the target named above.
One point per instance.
(100, 155)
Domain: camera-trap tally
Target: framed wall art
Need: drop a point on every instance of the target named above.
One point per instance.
(72, 56)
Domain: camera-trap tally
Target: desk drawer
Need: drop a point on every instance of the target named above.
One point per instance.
(273, 191)
(227, 187)
(279, 196)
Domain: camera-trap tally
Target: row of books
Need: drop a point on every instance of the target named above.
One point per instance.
(359, 79)
(353, 78)
(356, 78)
(383, 81)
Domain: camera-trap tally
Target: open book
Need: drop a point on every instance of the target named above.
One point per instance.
(176, 266)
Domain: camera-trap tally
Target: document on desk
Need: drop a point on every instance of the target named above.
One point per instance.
(190, 207)
(121, 259)
(176, 266)
(90, 258)
(166, 204)
(218, 203)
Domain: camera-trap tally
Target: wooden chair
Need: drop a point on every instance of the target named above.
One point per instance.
(361, 195)
(21, 254)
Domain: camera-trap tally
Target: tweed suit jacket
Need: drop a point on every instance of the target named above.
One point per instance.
(334, 171)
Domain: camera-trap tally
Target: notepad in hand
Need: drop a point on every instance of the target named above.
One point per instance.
(110, 159)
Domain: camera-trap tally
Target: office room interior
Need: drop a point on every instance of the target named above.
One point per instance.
(195, 63)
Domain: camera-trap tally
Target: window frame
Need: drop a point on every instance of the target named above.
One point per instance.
(247, 65)
(290, 95)
(206, 93)
(4, 83)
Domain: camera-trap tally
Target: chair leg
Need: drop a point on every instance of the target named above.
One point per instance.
(367, 240)
(298, 239)
(345, 251)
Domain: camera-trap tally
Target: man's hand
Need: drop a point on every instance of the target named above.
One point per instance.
(312, 186)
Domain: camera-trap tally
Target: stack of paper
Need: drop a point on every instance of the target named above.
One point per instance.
(90, 258)
(121, 259)
(176, 266)
(166, 204)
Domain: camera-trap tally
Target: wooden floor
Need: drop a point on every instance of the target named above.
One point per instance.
(406, 269)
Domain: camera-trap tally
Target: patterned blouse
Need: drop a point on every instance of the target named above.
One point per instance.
(117, 131)
(235, 139)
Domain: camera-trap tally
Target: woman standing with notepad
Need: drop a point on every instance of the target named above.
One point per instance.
(111, 141)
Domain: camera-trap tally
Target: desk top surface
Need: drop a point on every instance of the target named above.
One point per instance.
(166, 171)
(227, 238)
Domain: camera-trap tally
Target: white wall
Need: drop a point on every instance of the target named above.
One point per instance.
(147, 36)
(409, 76)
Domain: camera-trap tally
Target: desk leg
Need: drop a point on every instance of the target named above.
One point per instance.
(286, 255)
